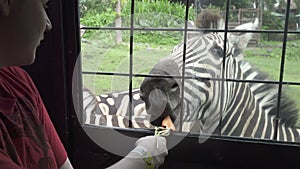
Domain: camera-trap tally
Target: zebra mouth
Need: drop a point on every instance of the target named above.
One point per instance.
(167, 122)
(159, 113)
(163, 114)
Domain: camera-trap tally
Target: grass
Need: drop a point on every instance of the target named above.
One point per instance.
(116, 59)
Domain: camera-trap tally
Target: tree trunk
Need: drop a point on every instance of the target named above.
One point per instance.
(118, 22)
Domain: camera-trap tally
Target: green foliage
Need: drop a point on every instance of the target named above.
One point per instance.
(94, 6)
(270, 22)
(222, 4)
(270, 4)
(94, 18)
(162, 6)
(241, 4)
(148, 14)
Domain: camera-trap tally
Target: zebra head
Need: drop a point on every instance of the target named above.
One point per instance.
(203, 61)
(162, 95)
(202, 87)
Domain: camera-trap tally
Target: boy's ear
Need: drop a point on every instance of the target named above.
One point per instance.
(5, 6)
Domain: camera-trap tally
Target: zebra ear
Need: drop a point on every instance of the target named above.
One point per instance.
(240, 40)
(5, 6)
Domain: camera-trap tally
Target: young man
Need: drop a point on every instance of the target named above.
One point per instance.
(27, 136)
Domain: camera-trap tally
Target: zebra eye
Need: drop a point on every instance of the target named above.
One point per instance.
(217, 50)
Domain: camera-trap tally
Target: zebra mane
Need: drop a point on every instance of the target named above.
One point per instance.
(267, 94)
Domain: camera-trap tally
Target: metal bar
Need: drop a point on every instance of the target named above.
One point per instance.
(223, 68)
(288, 2)
(196, 30)
(183, 61)
(131, 61)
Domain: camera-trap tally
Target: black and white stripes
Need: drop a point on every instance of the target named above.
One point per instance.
(112, 110)
(215, 91)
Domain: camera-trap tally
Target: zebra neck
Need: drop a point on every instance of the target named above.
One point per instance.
(241, 111)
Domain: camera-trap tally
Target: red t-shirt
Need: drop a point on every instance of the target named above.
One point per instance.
(27, 136)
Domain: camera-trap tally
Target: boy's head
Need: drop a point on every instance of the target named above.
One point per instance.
(23, 23)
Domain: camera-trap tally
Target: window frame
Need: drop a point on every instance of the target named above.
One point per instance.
(58, 66)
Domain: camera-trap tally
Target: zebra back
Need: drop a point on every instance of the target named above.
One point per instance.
(99, 110)
(113, 110)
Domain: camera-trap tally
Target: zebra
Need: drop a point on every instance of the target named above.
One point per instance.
(112, 110)
(218, 104)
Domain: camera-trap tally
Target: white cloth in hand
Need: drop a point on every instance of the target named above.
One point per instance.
(156, 146)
